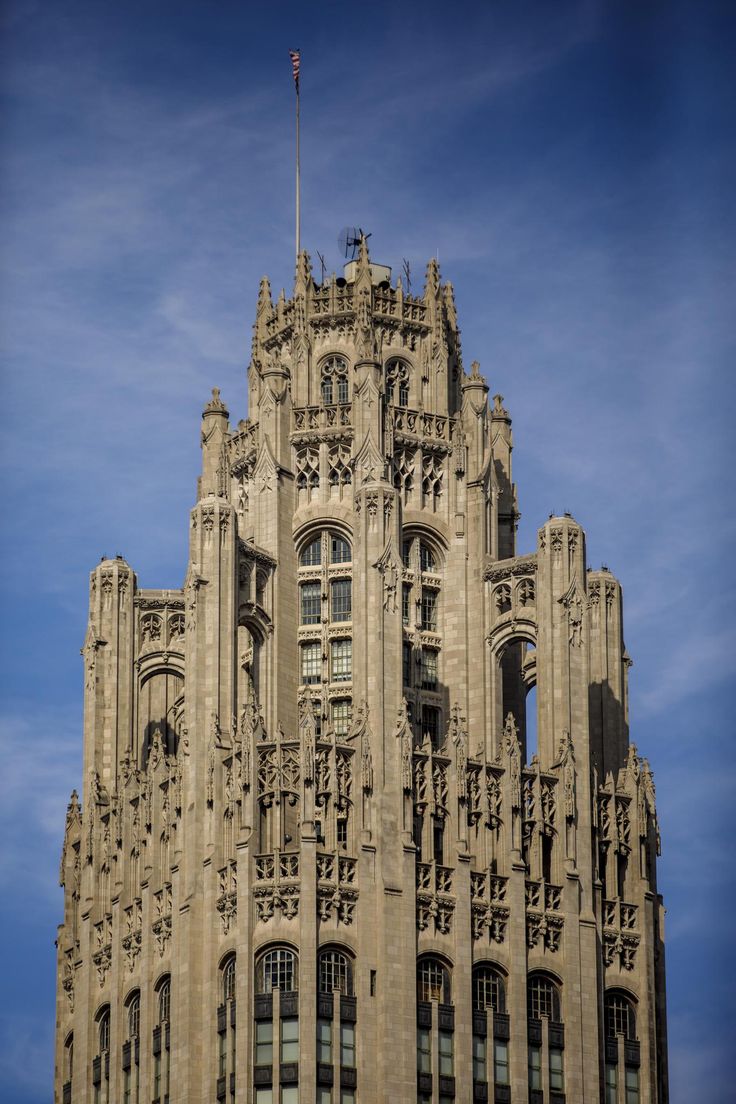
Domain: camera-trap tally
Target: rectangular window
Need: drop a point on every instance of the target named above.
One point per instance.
(429, 669)
(342, 715)
(535, 1067)
(632, 1085)
(501, 1062)
(341, 599)
(431, 725)
(429, 609)
(311, 601)
(264, 1043)
(556, 1072)
(324, 1096)
(324, 1041)
(289, 1094)
(438, 840)
(479, 1058)
(222, 1054)
(347, 1045)
(445, 1051)
(424, 1050)
(418, 832)
(611, 1084)
(264, 1096)
(342, 831)
(405, 602)
(290, 1039)
(406, 656)
(311, 662)
(342, 660)
(347, 1096)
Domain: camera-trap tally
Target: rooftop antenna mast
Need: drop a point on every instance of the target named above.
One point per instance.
(407, 273)
(349, 242)
(322, 263)
(295, 56)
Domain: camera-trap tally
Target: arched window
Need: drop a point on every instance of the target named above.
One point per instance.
(543, 998)
(489, 991)
(278, 968)
(134, 1016)
(131, 1051)
(427, 558)
(103, 1030)
(433, 981)
(162, 1041)
(340, 551)
(101, 1064)
(422, 630)
(620, 1021)
(335, 972)
(543, 1001)
(620, 1016)
(226, 1051)
(334, 381)
(397, 382)
(311, 554)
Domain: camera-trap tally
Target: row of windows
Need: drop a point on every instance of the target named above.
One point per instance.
(338, 549)
(334, 386)
(341, 661)
(340, 597)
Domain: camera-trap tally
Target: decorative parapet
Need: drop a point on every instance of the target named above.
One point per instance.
(318, 419)
(415, 425)
(489, 911)
(227, 899)
(277, 885)
(434, 897)
(336, 891)
(620, 937)
(161, 926)
(243, 445)
(544, 921)
(133, 937)
(497, 571)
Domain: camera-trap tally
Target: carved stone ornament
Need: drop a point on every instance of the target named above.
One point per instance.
(513, 752)
(573, 605)
(403, 734)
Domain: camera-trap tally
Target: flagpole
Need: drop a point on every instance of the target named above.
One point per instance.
(298, 181)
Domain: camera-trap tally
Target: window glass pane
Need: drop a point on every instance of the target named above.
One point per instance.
(342, 715)
(264, 1042)
(311, 596)
(431, 725)
(429, 609)
(342, 660)
(324, 1096)
(290, 1094)
(620, 1017)
(342, 389)
(445, 1052)
(424, 1050)
(426, 558)
(406, 664)
(311, 663)
(501, 1062)
(429, 668)
(228, 981)
(403, 394)
(347, 1096)
(290, 1040)
(556, 1079)
(341, 600)
(405, 602)
(264, 1096)
(543, 999)
(433, 981)
(324, 1041)
(535, 1068)
(312, 555)
(632, 1085)
(347, 1044)
(340, 551)
(488, 990)
(327, 390)
(479, 1058)
(611, 1084)
(278, 971)
(406, 553)
(335, 973)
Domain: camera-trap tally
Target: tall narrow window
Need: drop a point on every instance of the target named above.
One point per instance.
(535, 1067)
(327, 391)
(342, 660)
(290, 1039)
(341, 600)
(227, 1064)
(500, 1062)
(335, 972)
(488, 990)
(264, 1042)
(311, 602)
(431, 725)
(340, 551)
(429, 669)
(438, 840)
(347, 1045)
(405, 603)
(311, 554)
(101, 1064)
(68, 1068)
(311, 663)
(406, 655)
(324, 1041)
(429, 609)
(162, 1043)
(479, 1058)
(341, 716)
(424, 1050)
(131, 1052)
(445, 1054)
(543, 998)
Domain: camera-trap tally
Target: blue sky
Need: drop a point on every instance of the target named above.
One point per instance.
(571, 164)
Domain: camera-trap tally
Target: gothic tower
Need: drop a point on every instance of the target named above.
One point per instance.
(318, 856)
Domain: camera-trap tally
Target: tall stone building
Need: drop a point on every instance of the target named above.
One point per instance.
(318, 858)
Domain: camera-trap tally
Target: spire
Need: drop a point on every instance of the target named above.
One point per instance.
(215, 405)
(432, 280)
(264, 296)
(363, 257)
(303, 271)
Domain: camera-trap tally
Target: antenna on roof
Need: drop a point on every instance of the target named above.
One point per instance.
(349, 241)
(322, 263)
(407, 272)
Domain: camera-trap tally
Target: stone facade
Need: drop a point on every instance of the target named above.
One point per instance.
(316, 858)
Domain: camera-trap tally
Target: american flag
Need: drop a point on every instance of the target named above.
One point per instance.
(294, 55)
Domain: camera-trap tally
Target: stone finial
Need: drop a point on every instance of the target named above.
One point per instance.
(303, 269)
(432, 280)
(475, 370)
(215, 405)
(264, 295)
